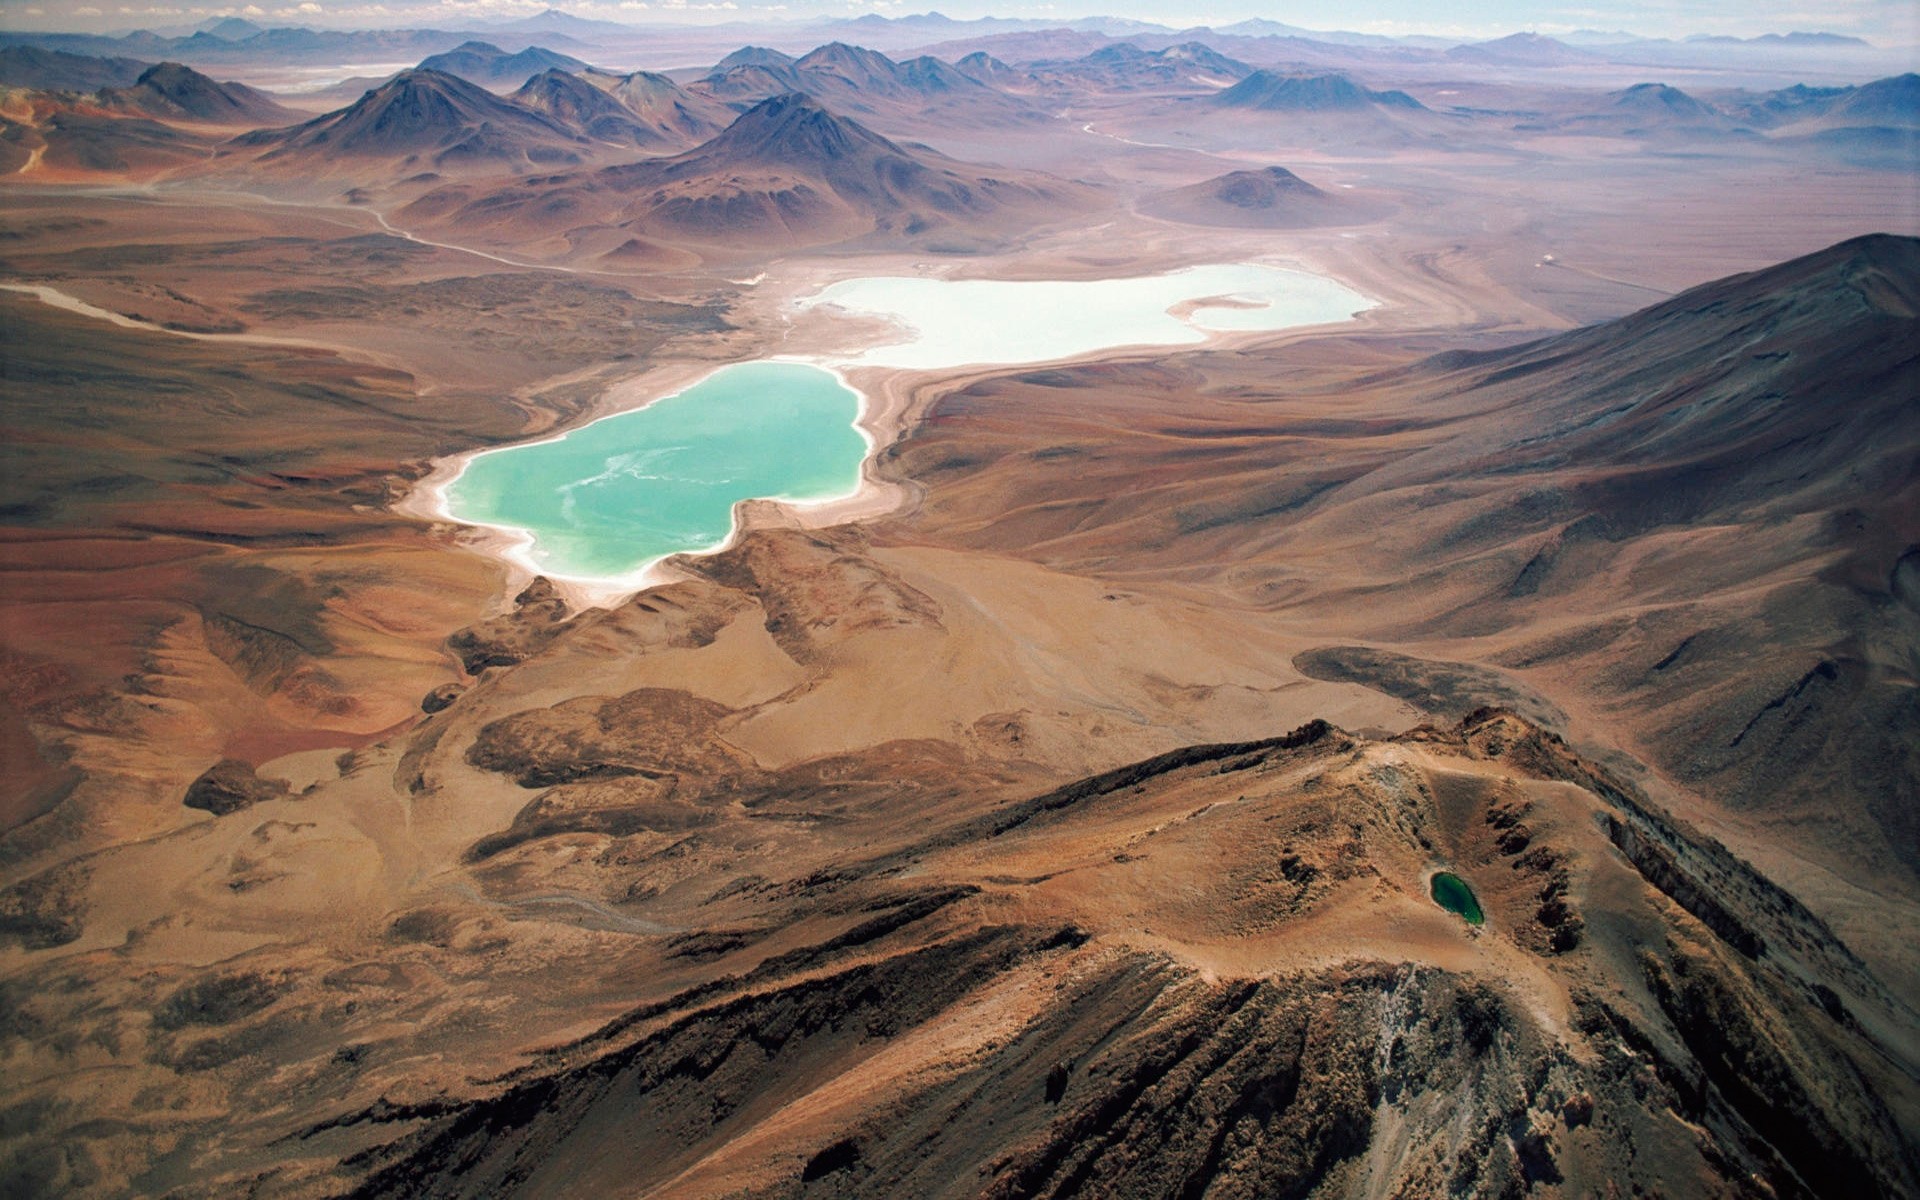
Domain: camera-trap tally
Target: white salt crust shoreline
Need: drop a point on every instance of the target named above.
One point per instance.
(889, 402)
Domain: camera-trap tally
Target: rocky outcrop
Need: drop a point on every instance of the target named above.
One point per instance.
(229, 786)
(653, 733)
(45, 910)
(1056, 1055)
(441, 698)
(538, 615)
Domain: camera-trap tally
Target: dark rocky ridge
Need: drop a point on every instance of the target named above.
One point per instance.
(1140, 1078)
(488, 65)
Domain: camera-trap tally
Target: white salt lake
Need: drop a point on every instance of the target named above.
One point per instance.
(946, 323)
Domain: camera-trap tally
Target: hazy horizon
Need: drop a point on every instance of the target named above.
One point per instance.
(1886, 23)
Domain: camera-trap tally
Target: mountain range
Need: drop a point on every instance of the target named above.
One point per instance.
(787, 172)
(490, 66)
(417, 121)
(866, 83)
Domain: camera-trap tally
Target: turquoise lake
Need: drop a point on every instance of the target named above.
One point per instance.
(603, 501)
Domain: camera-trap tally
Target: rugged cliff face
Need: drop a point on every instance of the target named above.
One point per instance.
(1217, 973)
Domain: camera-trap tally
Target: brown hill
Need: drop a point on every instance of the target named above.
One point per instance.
(595, 112)
(786, 173)
(172, 92)
(54, 136)
(1274, 198)
(1697, 522)
(130, 131)
(418, 121)
(987, 69)
(678, 118)
(747, 83)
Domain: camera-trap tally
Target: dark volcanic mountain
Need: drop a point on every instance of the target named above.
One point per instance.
(490, 66)
(853, 79)
(678, 118)
(747, 83)
(985, 68)
(1274, 198)
(1788, 104)
(787, 172)
(577, 104)
(420, 120)
(1271, 91)
(753, 56)
(171, 91)
(58, 71)
(1658, 102)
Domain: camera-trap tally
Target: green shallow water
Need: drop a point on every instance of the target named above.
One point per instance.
(605, 500)
(1453, 894)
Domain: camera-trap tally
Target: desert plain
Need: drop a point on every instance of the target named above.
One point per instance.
(1057, 813)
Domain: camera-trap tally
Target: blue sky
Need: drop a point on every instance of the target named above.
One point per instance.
(1893, 22)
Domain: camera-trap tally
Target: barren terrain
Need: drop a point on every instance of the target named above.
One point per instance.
(1055, 816)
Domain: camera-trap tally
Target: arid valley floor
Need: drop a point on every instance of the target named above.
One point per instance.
(1056, 815)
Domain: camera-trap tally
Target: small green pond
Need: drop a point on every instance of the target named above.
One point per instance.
(1452, 893)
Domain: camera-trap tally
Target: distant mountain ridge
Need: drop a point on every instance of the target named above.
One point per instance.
(1522, 49)
(59, 71)
(577, 104)
(787, 172)
(488, 65)
(858, 80)
(1271, 91)
(677, 118)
